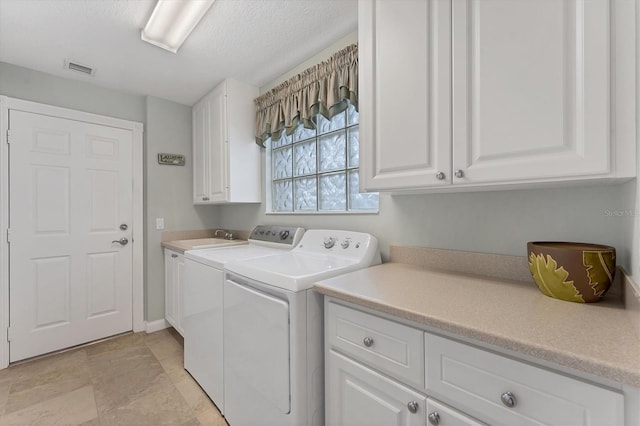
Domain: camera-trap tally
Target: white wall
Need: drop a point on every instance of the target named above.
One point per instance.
(494, 222)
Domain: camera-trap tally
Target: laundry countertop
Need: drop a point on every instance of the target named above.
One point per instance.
(596, 338)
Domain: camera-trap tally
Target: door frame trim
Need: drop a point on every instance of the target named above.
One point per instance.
(8, 103)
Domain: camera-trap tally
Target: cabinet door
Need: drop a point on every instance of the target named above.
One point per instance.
(178, 292)
(405, 83)
(201, 130)
(357, 395)
(531, 86)
(218, 157)
(440, 415)
(169, 287)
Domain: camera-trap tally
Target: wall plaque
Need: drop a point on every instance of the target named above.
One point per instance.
(171, 159)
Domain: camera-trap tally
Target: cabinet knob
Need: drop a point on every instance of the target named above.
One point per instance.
(440, 176)
(368, 341)
(412, 406)
(459, 173)
(174, 255)
(434, 418)
(508, 399)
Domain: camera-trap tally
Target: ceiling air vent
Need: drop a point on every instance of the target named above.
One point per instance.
(75, 66)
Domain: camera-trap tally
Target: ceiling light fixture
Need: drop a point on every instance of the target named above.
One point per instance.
(172, 21)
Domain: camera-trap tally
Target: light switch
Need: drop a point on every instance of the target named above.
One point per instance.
(159, 222)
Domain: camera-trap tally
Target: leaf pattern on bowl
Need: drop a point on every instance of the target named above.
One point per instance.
(552, 280)
(600, 270)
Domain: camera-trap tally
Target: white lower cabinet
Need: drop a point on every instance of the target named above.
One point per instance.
(505, 391)
(173, 282)
(369, 362)
(358, 395)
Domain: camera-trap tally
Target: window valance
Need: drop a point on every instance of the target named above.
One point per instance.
(321, 89)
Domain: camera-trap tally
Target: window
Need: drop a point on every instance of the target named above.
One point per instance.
(316, 170)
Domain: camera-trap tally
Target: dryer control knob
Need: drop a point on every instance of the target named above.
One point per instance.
(344, 244)
(284, 235)
(329, 242)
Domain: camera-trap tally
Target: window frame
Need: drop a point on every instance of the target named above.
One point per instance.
(346, 170)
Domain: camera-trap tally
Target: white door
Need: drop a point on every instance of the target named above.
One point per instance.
(405, 99)
(217, 166)
(359, 396)
(257, 387)
(203, 328)
(70, 192)
(531, 86)
(201, 135)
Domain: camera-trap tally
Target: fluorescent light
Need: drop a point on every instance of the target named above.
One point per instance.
(172, 21)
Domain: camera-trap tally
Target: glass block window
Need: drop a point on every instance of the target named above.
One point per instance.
(316, 170)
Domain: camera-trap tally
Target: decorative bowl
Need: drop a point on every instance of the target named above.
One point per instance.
(576, 272)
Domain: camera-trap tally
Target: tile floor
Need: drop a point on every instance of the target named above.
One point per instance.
(135, 379)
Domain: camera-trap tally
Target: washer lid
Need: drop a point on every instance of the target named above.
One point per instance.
(293, 271)
(218, 257)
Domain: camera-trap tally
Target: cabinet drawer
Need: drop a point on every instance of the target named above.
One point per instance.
(477, 381)
(389, 346)
(441, 415)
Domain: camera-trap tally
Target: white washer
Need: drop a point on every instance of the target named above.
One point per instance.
(203, 296)
(273, 328)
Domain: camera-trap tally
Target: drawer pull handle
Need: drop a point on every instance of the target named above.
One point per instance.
(412, 406)
(508, 399)
(434, 418)
(368, 342)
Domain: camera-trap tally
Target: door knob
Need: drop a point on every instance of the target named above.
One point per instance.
(122, 241)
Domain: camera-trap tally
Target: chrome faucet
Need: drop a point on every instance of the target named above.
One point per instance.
(227, 235)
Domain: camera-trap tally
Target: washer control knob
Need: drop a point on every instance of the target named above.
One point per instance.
(344, 244)
(329, 242)
(284, 235)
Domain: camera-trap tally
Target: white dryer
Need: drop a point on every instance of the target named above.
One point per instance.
(203, 302)
(273, 328)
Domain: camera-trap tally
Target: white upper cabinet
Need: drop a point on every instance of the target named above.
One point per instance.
(226, 159)
(404, 92)
(462, 93)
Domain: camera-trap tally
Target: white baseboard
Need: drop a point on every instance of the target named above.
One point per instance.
(153, 326)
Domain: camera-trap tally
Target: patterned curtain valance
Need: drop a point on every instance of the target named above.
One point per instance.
(321, 89)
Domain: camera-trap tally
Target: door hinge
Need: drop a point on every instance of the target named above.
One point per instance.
(9, 334)
(8, 235)
(8, 136)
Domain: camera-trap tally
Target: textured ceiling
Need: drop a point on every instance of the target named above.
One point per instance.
(252, 40)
